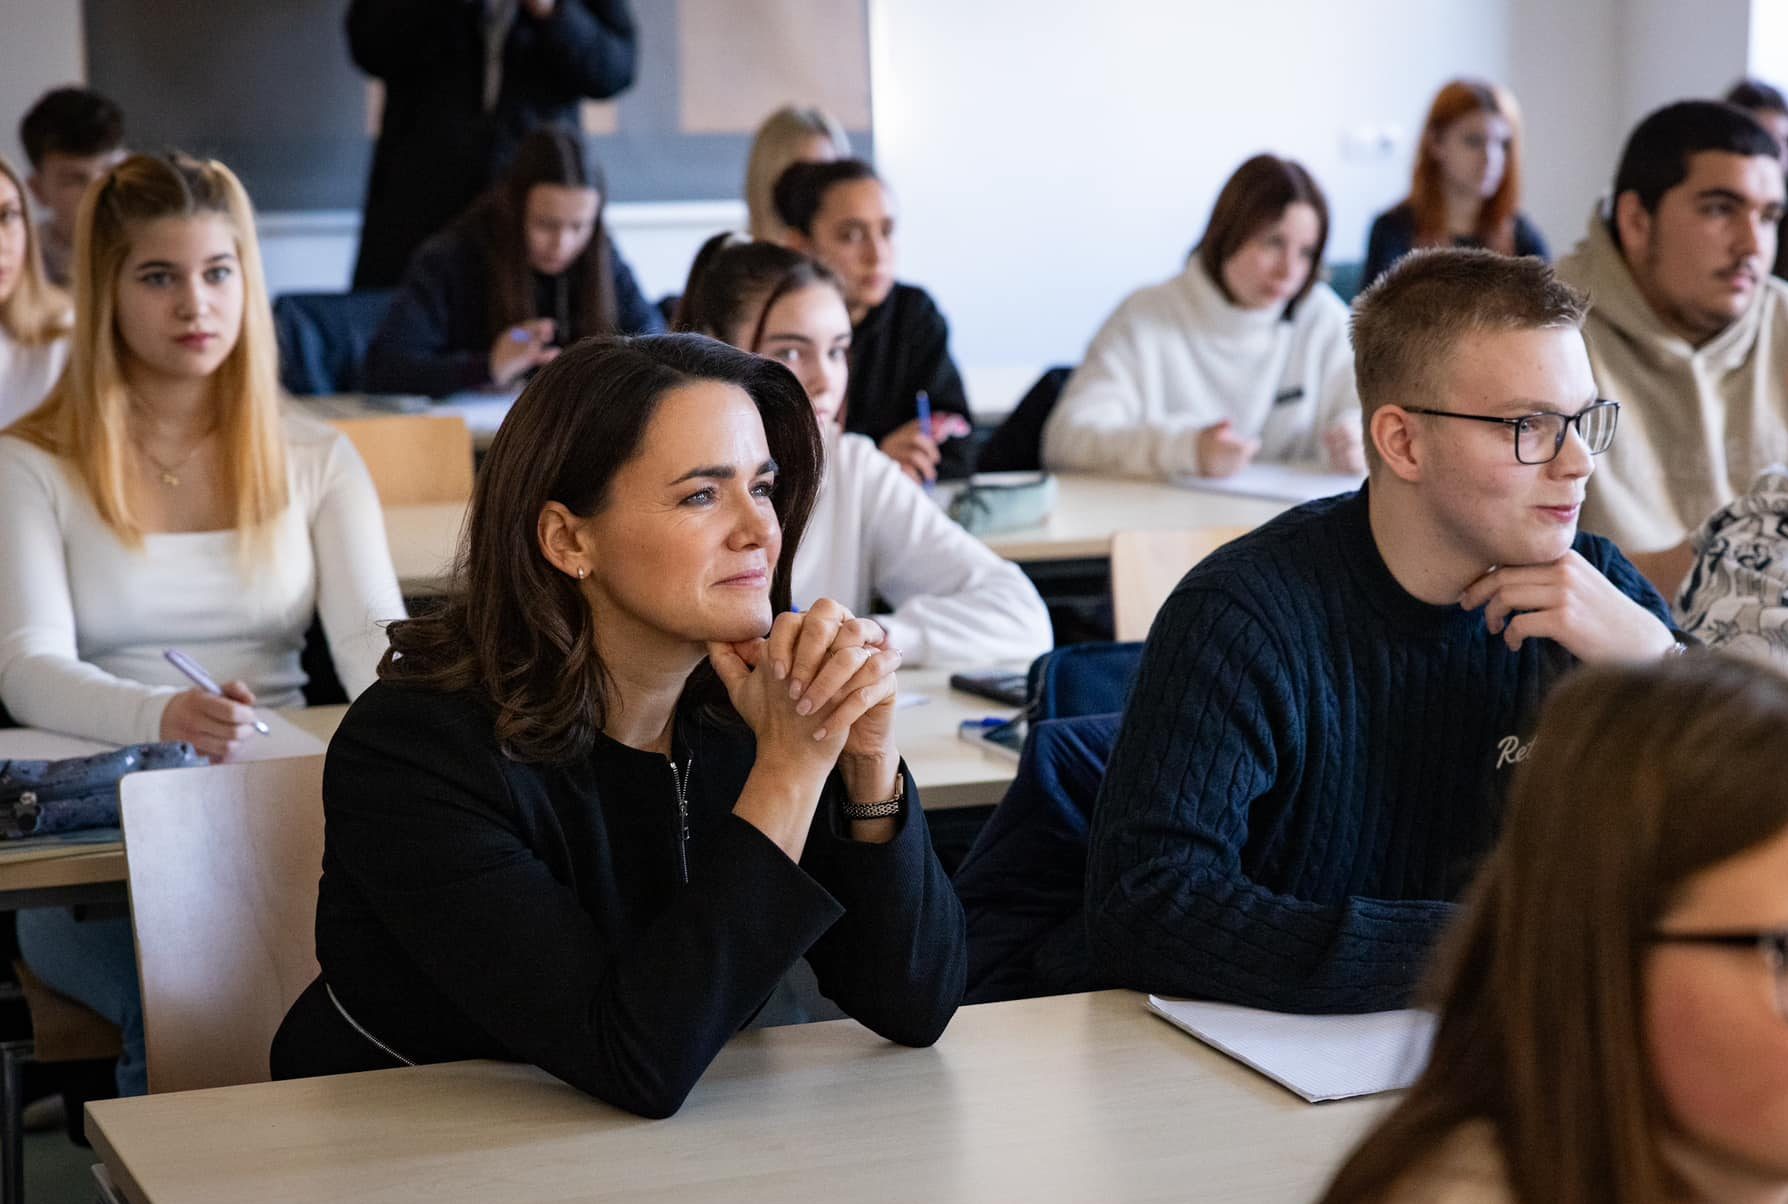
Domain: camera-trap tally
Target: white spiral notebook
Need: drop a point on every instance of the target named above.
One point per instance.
(1318, 1057)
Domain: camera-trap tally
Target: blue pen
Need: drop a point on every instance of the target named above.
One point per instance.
(987, 724)
(922, 400)
(196, 674)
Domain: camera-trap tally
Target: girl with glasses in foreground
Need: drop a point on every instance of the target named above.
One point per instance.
(1613, 1004)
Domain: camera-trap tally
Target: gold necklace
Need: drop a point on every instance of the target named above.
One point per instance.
(170, 473)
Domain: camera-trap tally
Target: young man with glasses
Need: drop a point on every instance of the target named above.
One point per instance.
(1688, 329)
(1330, 708)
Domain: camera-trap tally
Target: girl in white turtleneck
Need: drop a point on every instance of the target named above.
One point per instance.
(1242, 356)
(875, 533)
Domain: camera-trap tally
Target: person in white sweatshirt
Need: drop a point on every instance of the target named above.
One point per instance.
(157, 498)
(34, 314)
(1244, 355)
(875, 534)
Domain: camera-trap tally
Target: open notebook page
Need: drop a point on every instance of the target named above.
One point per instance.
(1318, 1057)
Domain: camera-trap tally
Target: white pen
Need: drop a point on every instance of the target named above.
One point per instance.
(195, 673)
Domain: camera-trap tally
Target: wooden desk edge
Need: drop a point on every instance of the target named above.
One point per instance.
(122, 1180)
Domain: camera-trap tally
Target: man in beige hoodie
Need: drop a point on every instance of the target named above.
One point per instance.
(1687, 330)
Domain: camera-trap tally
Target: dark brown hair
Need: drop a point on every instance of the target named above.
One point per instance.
(1756, 96)
(1642, 777)
(1255, 196)
(517, 630)
(731, 277)
(1657, 154)
(498, 221)
(1407, 324)
(71, 121)
(800, 192)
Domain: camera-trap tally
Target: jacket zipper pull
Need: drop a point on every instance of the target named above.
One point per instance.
(681, 781)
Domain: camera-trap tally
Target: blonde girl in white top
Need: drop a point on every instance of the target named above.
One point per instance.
(158, 498)
(34, 314)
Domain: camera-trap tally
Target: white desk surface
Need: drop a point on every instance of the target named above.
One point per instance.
(1074, 1098)
(1088, 512)
(950, 771)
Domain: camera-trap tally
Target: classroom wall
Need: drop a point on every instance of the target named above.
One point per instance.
(1768, 57)
(1669, 49)
(1048, 162)
(40, 47)
(1565, 70)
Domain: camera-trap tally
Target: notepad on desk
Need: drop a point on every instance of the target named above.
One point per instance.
(1276, 482)
(1320, 1058)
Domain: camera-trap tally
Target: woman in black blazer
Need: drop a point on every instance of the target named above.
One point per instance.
(599, 806)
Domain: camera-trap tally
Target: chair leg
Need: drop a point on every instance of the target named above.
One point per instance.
(13, 1056)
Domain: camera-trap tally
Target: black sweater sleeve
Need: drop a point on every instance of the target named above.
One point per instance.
(585, 48)
(1215, 722)
(898, 958)
(398, 39)
(427, 824)
(1388, 242)
(418, 347)
(1529, 240)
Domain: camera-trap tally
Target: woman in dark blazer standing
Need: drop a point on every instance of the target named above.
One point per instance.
(600, 805)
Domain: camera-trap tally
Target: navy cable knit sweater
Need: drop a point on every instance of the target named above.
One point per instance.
(1310, 768)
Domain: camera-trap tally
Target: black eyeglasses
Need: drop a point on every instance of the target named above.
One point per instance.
(1540, 437)
(1773, 945)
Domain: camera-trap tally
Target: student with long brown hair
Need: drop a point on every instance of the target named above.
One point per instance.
(1466, 188)
(612, 801)
(1244, 353)
(874, 534)
(159, 497)
(34, 314)
(1614, 1001)
(527, 270)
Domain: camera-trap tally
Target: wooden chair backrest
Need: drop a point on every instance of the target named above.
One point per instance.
(223, 867)
(1146, 565)
(414, 459)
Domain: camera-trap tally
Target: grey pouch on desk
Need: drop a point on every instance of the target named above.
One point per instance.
(1003, 501)
(41, 798)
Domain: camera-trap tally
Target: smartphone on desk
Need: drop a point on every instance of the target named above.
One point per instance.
(1001, 685)
(1003, 736)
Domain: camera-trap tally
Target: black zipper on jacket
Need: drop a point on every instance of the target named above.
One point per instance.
(680, 779)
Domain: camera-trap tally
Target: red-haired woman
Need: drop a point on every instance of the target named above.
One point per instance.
(1466, 190)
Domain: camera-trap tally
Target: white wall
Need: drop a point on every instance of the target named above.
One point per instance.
(40, 47)
(1769, 41)
(314, 252)
(1565, 71)
(1671, 49)
(1051, 155)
